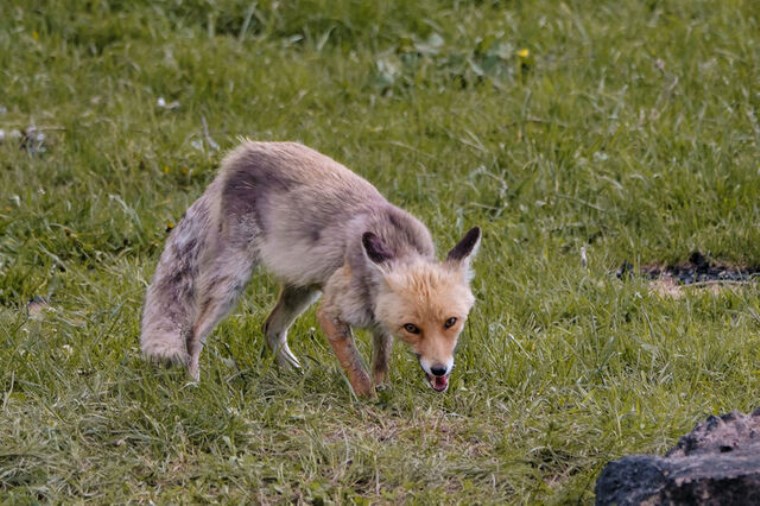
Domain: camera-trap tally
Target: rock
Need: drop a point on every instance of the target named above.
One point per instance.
(724, 434)
(718, 463)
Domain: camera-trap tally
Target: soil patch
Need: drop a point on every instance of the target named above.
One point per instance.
(698, 271)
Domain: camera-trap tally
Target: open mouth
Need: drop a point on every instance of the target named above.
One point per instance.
(438, 383)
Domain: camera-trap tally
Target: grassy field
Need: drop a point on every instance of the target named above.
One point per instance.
(631, 128)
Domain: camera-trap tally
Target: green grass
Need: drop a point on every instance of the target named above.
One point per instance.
(628, 127)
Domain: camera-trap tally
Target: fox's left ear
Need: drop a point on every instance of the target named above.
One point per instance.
(465, 251)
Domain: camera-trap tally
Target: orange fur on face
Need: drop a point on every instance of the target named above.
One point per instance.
(426, 295)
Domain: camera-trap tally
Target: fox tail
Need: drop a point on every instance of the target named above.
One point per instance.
(170, 305)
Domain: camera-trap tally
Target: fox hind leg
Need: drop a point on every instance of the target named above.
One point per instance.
(223, 280)
(292, 303)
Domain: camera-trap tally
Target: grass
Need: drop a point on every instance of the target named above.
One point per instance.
(630, 128)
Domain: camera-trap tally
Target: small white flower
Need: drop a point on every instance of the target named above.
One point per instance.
(161, 103)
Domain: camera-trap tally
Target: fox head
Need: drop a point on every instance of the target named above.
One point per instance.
(425, 303)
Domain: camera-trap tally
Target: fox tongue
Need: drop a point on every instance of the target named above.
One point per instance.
(440, 382)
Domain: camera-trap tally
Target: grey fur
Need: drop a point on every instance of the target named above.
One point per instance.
(299, 214)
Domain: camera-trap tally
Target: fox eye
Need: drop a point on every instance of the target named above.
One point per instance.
(450, 322)
(411, 328)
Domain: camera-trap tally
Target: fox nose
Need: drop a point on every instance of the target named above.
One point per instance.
(438, 370)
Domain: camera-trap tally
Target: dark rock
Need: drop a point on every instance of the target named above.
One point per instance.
(730, 432)
(718, 463)
(699, 262)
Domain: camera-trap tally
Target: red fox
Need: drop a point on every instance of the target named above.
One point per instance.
(320, 229)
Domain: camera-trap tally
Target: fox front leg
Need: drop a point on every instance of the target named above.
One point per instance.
(341, 339)
(382, 352)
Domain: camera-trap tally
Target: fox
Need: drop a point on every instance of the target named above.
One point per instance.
(322, 231)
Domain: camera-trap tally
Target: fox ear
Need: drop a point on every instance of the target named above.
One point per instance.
(375, 248)
(465, 250)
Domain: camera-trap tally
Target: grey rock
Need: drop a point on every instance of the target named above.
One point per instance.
(718, 463)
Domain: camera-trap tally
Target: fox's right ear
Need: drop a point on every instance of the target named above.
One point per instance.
(375, 248)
